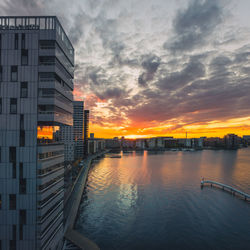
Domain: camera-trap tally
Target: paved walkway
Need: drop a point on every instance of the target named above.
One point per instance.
(72, 205)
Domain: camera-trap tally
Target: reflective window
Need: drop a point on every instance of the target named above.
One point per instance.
(13, 105)
(14, 73)
(24, 90)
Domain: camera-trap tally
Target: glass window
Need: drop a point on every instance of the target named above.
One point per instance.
(12, 244)
(22, 186)
(20, 232)
(0, 201)
(21, 170)
(13, 105)
(24, 90)
(22, 216)
(46, 60)
(22, 121)
(12, 200)
(22, 138)
(1, 73)
(47, 44)
(23, 41)
(24, 57)
(12, 154)
(16, 41)
(0, 105)
(14, 232)
(14, 73)
(14, 170)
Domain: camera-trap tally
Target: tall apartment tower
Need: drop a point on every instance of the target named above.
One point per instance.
(86, 132)
(36, 84)
(67, 137)
(78, 110)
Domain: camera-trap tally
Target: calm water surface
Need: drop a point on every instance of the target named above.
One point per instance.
(154, 201)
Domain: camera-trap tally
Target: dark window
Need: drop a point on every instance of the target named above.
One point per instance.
(0, 201)
(21, 170)
(23, 41)
(47, 44)
(14, 232)
(13, 73)
(12, 200)
(12, 154)
(0, 41)
(12, 244)
(20, 232)
(0, 154)
(16, 41)
(22, 138)
(14, 170)
(24, 90)
(22, 216)
(13, 105)
(21, 121)
(46, 60)
(1, 73)
(22, 186)
(24, 57)
(0, 105)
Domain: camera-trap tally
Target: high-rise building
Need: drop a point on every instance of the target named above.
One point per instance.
(67, 136)
(78, 116)
(36, 84)
(86, 132)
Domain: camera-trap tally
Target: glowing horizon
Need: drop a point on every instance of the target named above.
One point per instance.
(156, 67)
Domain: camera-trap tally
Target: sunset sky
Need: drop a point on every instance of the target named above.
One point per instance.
(157, 67)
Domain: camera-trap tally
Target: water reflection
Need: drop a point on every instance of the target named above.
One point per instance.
(148, 200)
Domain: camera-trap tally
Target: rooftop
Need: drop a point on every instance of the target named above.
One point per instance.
(35, 23)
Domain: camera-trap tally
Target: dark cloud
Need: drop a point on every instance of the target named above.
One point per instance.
(150, 64)
(191, 71)
(193, 25)
(111, 93)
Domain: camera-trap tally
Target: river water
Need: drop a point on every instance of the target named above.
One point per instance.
(153, 201)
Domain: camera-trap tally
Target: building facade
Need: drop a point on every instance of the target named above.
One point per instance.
(78, 117)
(36, 84)
(67, 137)
(86, 133)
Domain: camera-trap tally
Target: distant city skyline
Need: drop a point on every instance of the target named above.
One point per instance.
(157, 68)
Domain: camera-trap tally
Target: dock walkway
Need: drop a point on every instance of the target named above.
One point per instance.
(226, 187)
(72, 205)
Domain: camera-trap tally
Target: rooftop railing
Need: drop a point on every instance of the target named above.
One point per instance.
(36, 23)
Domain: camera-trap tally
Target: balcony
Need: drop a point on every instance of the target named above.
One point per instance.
(42, 194)
(42, 179)
(42, 209)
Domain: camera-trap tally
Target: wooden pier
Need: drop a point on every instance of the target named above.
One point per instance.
(226, 188)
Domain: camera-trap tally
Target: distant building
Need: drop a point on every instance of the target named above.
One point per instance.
(231, 141)
(67, 137)
(86, 132)
(95, 145)
(213, 142)
(78, 119)
(112, 143)
(246, 138)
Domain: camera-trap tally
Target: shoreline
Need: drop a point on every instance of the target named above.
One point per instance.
(70, 233)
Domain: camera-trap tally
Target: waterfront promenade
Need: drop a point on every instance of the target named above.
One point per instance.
(71, 208)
